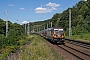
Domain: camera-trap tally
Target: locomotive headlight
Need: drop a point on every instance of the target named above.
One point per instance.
(54, 35)
(62, 36)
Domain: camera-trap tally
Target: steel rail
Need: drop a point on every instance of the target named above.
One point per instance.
(79, 43)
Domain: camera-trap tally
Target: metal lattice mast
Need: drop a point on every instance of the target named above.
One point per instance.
(44, 27)
(70, 29)
(37, 29)
(28, 29)
(25, 28)
(6, 23)
(47, 25)
(51, 24)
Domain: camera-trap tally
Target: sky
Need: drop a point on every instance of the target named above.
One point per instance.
(22, 11)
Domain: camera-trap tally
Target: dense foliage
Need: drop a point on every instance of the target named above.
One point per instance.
(15, 38)
(80, 19)
(15, 33)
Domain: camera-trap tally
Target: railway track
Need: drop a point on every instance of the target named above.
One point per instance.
(79, 43)
(74, 49)
(79, 49)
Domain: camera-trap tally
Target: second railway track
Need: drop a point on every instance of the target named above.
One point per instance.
(80, 53)
(79, 43)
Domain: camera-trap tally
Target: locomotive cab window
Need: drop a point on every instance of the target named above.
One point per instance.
(61, 30)
(56, 31)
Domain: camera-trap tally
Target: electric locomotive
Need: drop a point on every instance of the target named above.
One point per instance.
(55, 35)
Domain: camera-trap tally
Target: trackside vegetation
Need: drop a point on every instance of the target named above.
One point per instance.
(12, 48)
(39, 50)
(16, 37)
(84, 37)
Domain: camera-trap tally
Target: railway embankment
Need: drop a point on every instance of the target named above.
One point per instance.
(38, 49)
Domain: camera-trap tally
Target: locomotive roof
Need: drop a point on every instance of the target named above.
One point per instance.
(54, 28)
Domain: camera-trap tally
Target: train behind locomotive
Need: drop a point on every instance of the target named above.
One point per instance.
(55, 35)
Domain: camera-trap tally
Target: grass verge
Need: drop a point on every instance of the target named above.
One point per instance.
(84, 37)
(39, 50)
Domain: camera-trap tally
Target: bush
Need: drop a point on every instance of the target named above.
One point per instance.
(2, 41)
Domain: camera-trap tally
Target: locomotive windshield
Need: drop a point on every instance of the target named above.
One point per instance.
(56, 31)
(61, 30)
